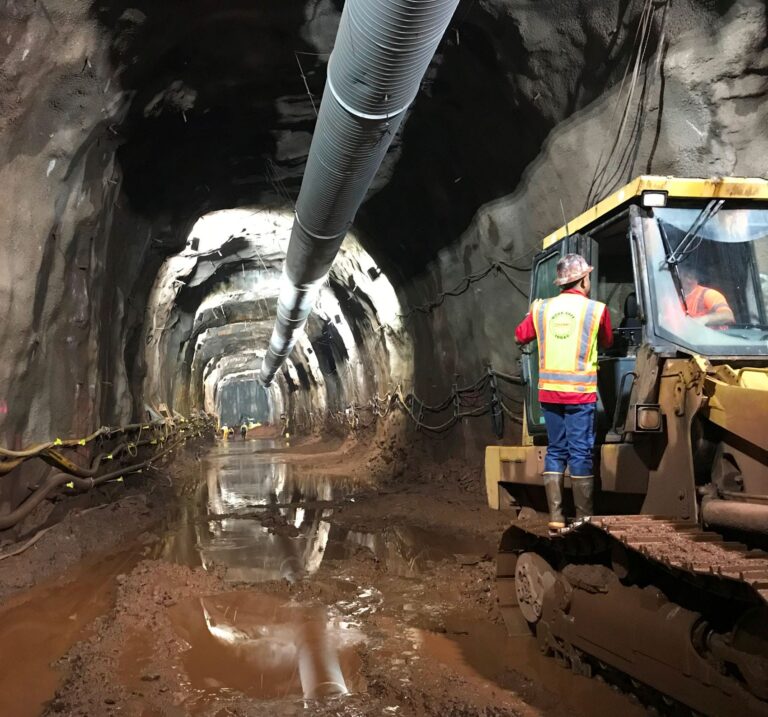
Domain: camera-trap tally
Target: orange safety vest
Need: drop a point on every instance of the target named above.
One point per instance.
(702, 301)
(566, 329)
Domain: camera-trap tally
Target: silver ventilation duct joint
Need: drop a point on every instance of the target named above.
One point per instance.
(382, 50)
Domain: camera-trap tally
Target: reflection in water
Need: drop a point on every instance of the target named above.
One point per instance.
(265, 647)
(290, 543)
(265, 519)
(251, 482)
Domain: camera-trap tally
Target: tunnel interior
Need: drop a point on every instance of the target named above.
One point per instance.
(151, 157)
(130, 127)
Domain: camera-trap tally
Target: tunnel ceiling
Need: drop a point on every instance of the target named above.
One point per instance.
(215, 86)
(220, 115)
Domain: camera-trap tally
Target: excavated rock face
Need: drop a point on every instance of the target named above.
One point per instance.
(122, 123)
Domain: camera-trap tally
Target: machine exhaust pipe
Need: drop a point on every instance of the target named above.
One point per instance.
(382, 50)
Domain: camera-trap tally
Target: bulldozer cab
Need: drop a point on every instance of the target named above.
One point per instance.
(682, 266)
(681, 476)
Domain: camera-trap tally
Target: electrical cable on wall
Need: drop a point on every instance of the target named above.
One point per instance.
(481, 398)
(466, 281)
(162, 437)
(602, 181)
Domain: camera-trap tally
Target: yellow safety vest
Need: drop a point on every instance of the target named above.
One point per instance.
(566, 329)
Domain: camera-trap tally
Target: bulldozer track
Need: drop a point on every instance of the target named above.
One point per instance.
(680, 547)
(691, 564)
(684, 547)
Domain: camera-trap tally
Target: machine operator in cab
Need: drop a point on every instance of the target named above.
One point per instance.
(702, 302)
(568, 328)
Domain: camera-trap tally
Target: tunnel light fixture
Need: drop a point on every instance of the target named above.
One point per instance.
(654, 199)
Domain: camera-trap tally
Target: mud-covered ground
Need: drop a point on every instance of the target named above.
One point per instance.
(270, 579)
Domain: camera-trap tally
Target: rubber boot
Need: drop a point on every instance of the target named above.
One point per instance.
(553, 485)
(583, 488)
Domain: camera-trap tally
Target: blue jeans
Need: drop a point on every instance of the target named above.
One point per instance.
(571, 434)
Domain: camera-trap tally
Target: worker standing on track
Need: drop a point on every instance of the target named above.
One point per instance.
(568, 328)
(243, 430)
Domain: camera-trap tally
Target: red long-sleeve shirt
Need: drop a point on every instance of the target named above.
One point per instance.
(526, 332)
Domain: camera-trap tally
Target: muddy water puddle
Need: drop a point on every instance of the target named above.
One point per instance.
(263, 518)
(482, 651)
(255, 645)
(260, 518)
(39, 626)
(405, 550)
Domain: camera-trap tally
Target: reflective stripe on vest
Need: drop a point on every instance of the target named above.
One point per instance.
(696, 301)
(566, 329)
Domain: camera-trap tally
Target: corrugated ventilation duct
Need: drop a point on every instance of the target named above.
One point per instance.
(383, 49)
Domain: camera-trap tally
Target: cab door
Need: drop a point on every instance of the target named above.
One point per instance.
(543, 287)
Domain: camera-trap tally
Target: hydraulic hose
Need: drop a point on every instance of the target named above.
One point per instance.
(55, 459)
(382, 50)
(33, 451)
(87, 478)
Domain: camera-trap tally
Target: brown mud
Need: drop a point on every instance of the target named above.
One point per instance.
(288, 586)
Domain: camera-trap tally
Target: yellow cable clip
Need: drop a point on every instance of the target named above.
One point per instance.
(120, 479)
(81, 442)
(70, 484)
(109, 457)
(58, 442)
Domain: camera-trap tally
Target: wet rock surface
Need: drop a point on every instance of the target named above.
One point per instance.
(378, 601)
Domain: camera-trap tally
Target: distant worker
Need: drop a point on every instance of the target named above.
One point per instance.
(243, 430)
(702, 302)
(224, 432)
(568, 328)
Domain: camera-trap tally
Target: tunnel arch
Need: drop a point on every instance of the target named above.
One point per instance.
(212, 306)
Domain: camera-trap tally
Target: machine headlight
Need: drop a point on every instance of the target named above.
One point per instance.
(654, 199)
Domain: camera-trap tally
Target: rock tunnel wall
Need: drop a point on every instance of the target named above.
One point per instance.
(697, 108)
(71, 251)
(121, 124)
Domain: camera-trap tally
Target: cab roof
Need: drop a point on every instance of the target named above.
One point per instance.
(677, 187)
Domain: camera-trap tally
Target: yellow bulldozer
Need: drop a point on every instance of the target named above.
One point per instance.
(666, 587)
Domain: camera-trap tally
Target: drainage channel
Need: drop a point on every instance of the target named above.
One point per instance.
(39, 625)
